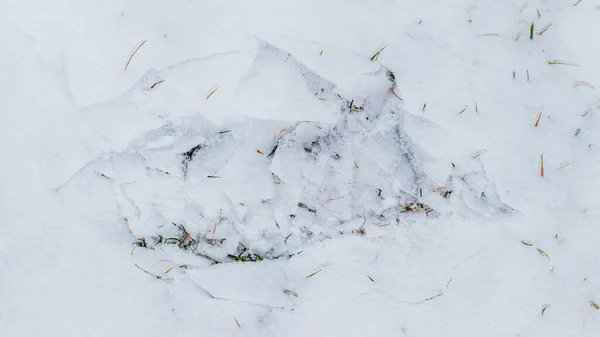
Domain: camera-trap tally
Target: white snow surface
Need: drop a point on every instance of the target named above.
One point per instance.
(299, 168)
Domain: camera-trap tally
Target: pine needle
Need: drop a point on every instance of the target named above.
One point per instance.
(476, 107)
(321, 53)
(527, 243)
(383, 225)
(463, 110)
(577, 3)
(214, 177)
(139, 45)
(259, 151)
(237, 323)
(168, 270)
(542, 165)
(594, 305)
(587, 111)
(315, 273)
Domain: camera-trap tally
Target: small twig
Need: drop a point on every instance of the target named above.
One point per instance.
(139, 45)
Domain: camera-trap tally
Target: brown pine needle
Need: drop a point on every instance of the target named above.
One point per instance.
(527, 243)
(211, 93)
(259, 151)
(545, 28)
(566, 63)
(322, 99)
(476, 107)
(542, 165)
(393, 92)
(139, 45)
(577, 3)
(168, 270)
(237, 323)
(479, 153)
(315, 273)
(537, 121)
(583, 84)
(383, 225)
(332, 199)
(214, 177)
(463, 110)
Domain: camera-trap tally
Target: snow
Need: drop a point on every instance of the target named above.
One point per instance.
(258, 170)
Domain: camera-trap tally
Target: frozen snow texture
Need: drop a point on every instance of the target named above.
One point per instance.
(375, 213)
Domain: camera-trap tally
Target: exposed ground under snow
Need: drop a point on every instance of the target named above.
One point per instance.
(299, 168)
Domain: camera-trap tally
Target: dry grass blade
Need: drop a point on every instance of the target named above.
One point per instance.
(546, 27)
(332, 199)
(393, 92)
(537, 121)
(314, 273)
(212, 92)
(375, 56)
(583, 84)
(565, 63)
(543, 253)
(479, 153)
(139, 45)
(155, 84)
(542, 165)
